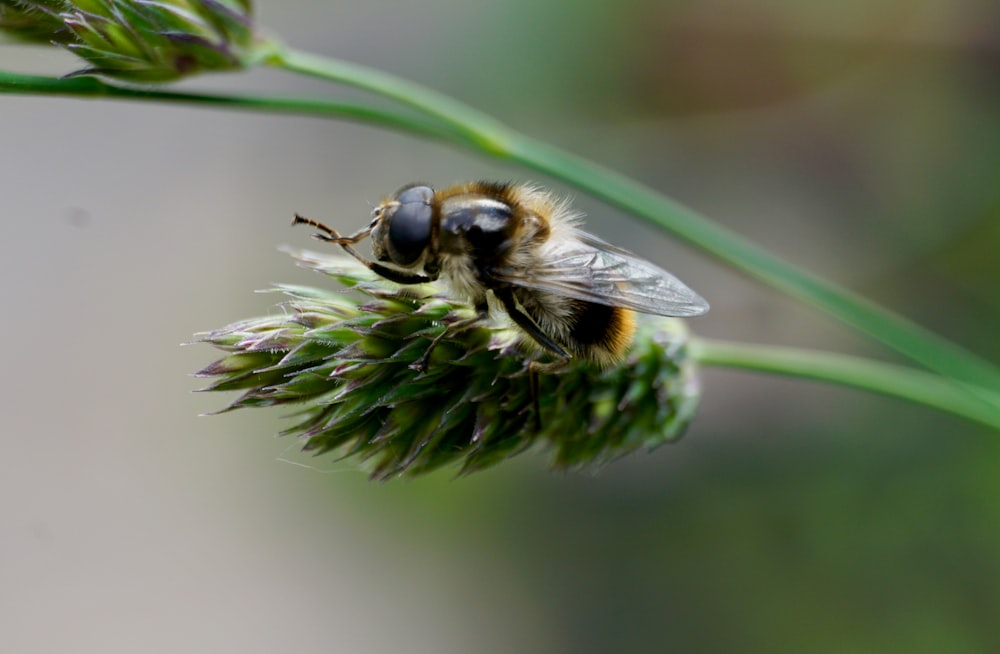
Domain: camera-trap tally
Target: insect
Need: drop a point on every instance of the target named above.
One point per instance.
(521, 247)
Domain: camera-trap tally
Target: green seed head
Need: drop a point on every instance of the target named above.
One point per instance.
(345, 361)
(31, 22)
(142, 41)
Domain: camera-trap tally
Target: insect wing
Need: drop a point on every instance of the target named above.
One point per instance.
(590, 269)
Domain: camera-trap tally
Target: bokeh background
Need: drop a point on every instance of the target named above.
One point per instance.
(858, 139)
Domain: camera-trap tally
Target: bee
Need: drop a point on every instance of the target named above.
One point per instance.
(522, 248)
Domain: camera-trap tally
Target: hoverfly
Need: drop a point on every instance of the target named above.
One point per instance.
(571, 292)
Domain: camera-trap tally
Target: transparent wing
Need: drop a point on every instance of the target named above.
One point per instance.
(593, 270)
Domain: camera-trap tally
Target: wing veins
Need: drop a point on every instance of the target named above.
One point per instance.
(593, 270)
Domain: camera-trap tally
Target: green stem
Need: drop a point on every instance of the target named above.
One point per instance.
(89, 87)
(495, 139)
(891, 380)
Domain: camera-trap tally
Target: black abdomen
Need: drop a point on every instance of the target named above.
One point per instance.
(599, 325)
(591, 323)
(586, 330)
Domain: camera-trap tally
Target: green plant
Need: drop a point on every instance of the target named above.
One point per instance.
(139, 41)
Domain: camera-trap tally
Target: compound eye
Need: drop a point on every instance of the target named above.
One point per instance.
(410, 225)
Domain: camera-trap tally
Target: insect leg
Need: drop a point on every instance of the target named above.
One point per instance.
(391, 274)
(536, 368)
(333, 236)
(525, 322)
(482, 311)
(535, 403)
